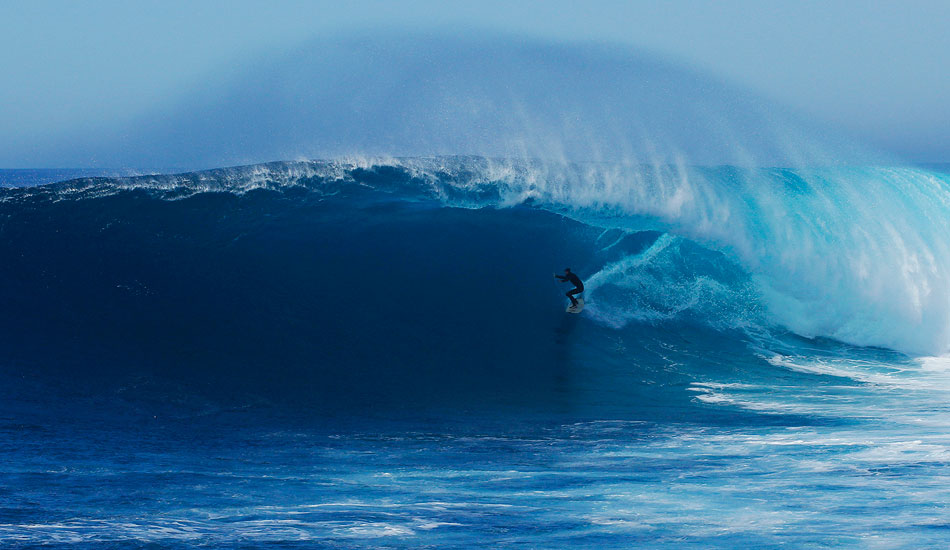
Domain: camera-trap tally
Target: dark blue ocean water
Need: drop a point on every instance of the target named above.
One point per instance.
(375, 355)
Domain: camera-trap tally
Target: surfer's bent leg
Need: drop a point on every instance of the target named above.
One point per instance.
(571, 293)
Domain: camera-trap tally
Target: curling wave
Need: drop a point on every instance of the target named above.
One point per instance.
(859, 254)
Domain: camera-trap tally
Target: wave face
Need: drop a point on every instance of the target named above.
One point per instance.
(384, 272)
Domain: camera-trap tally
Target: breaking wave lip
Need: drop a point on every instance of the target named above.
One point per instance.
(860, 254)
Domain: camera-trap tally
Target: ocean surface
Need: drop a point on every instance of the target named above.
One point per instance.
(373, 353)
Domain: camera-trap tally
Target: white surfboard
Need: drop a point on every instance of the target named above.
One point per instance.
(579, 308)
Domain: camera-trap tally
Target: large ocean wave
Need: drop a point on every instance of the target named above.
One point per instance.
(858, 254)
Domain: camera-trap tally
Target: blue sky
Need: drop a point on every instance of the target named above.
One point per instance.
(877, 70)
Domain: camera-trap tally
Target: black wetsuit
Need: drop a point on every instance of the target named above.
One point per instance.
(574, 280)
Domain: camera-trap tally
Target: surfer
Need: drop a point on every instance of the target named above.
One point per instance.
(571, 277)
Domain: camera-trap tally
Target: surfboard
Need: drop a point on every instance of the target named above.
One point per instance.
(578, 309)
